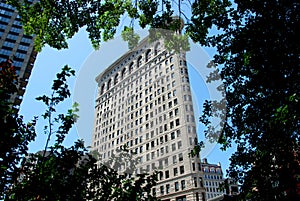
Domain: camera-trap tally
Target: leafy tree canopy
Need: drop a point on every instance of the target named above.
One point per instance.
(57, 172)
(53, 22)
(15, 134)
(258, 52)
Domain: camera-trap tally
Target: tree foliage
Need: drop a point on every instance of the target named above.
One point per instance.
(57, 172)
(258, 53)
(53, 22)
(129, 36)
(15, 134)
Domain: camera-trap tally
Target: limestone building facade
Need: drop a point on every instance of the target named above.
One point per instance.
(144, 101)
(213, 179)
(215, 184)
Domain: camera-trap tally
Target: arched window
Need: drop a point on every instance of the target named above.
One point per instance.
(116, 78)
(148, 55)
(157, 48)
(131, 67)
(108, 84)
(123, 73)
(139, 61)
(102, 89)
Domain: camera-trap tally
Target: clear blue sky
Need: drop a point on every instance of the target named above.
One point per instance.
(88, 63)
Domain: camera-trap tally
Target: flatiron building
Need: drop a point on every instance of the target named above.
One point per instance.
(144, 102)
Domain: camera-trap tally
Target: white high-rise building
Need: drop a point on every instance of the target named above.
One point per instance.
(144, 102)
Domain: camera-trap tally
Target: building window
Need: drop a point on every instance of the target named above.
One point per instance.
(168, 86)
(139, 62)
(131, 67)
(172, 135)
(147, 55)
(194, 167)
(178, 133)
(173, 147)
(160, 165)
(180, 157)
(141, 149)
(182, 184)
(153, 166)
(162, 191)
(172, 75)
(181, 168)
(170, 114)
(167, 188)
(175, 171)
(171, 126)
(170, 104)
(175, 101)
(168, 78)
(102, 89)
(176, 186)
(123, 73)
(176, 111)
(167, 174)
(153, 191)
(166, 162)
(179, 144)
(167, 70)
(174, 159)
(174, 92)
